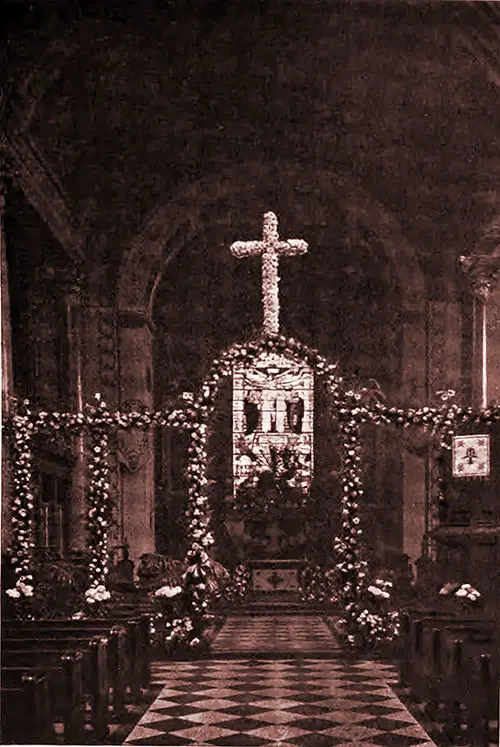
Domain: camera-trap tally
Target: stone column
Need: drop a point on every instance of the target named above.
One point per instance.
(7, 374)
(414, 393)
(73, 300)
(482, 272)
(136, 448)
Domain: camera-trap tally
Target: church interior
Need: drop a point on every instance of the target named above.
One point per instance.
(250, 372)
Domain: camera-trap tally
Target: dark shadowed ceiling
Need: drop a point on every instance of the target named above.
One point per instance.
(314, 109)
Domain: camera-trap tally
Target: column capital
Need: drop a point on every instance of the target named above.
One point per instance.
(482, 272)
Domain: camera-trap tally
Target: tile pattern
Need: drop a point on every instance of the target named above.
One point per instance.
(276, 634)
(287, 702)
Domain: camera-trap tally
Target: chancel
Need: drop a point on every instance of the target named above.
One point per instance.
(250, 482)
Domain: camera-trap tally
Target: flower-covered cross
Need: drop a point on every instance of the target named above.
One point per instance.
(270, 248)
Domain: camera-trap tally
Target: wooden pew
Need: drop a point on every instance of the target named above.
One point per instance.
(65, 685)
(116, 649)
(439, 656)
(22, 694)
(133, 654)
(472, 684)
(94, 651)
(419, 654)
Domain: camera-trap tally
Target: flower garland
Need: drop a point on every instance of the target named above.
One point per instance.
(99, 512)
(22, 506)
(191, 413)
(350, 566)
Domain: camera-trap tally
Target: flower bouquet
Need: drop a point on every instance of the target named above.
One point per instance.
(369, 622)
(95, 598)
(168, 599)
(465, 594)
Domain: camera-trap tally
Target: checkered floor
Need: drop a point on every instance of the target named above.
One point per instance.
(287, 702)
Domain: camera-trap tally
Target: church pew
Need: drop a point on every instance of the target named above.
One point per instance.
(117, 665)
(411, 640)
(423, 654)
(65, 685)
(471, 683)
(442, 655)
(94, 680)
(432, 640)
(137, 647)
(23, 693)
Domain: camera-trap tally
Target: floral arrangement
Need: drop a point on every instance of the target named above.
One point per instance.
(369, 620)
(464, 592)
(380, 589)
(183, 609)
(270, 277)
(317, 585)
(168, 592)
(97, 594)
(181, 632)
(238, 584)
(276, 477)
(192, 414)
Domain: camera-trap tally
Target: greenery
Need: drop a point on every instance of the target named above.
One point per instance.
(317, 585)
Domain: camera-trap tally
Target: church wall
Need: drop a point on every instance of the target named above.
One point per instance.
(493, 347)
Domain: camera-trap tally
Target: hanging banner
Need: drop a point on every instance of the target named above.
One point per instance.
(471, 456)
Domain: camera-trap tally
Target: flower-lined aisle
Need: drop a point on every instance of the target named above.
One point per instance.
(359, 595)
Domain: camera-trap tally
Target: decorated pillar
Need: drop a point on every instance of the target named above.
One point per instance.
(99, 367)
(135, 447)
(7, 376)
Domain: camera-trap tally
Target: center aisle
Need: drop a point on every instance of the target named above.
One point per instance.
(275, 634)
(315, 699)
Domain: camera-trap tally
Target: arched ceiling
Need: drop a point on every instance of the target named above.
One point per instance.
(126, 109)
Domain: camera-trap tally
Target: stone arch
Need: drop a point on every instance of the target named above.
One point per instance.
(173, 222)
(171, 226)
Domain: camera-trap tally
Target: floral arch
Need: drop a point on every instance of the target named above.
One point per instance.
(192, 413)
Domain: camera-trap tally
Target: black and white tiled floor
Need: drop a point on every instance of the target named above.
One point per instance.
(307, 700)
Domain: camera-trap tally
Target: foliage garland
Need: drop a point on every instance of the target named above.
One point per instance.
(191, 413)
(99, 512)
(22, 506)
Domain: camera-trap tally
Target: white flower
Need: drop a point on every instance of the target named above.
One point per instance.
(168, 591)
(14, 593)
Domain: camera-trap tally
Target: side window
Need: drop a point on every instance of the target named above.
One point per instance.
(52, 515)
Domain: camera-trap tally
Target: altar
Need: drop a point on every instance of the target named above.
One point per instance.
(276, 576)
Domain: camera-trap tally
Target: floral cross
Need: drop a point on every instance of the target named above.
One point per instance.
(270, 248)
